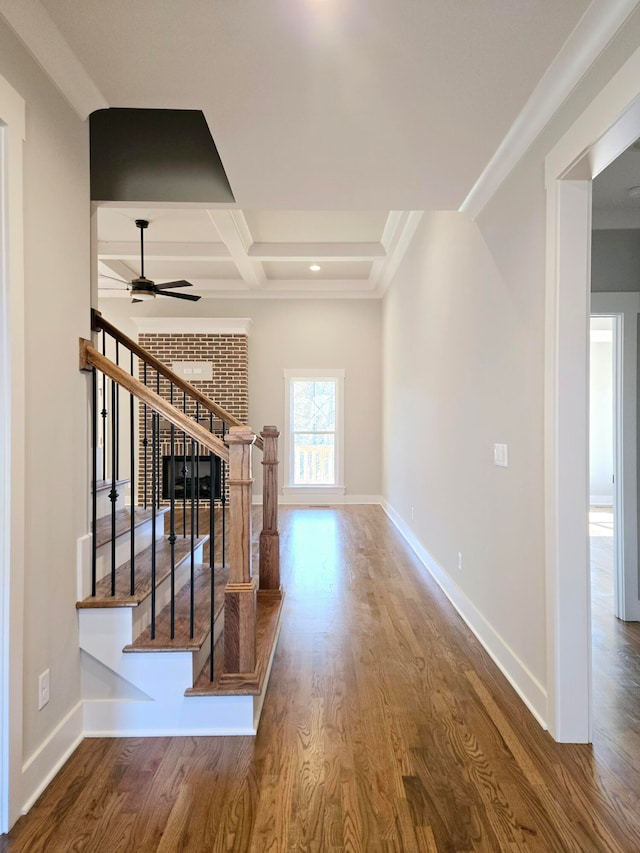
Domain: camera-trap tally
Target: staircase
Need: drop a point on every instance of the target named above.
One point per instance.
(177, 635)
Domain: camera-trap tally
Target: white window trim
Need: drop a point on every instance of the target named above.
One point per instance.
(294, 494)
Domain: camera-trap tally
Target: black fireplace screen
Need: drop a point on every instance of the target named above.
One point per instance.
(191, 477)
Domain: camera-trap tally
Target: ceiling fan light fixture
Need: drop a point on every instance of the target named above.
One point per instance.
(142, 295)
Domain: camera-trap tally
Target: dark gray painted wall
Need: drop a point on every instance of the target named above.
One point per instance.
(615, 260)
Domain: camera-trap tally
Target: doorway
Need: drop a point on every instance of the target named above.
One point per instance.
(607, 127)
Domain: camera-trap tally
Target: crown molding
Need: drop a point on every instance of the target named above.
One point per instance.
(33, 25)
(396, 240)
(193, 325)
(594, 31)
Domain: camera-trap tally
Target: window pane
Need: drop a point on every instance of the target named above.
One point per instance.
(313, 459)
(314, 405)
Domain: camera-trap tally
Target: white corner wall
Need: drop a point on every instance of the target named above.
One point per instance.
(464, 368)
(462, 371)
(57, 313)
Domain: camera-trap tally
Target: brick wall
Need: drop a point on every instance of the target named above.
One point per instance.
(229, 385)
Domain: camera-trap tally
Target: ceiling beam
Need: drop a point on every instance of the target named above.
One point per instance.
(165, 251)
(316, 251)
(234, 232)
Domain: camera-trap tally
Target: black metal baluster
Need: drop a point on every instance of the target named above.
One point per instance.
(172, 521)
(157, 504)
(145, 443)
(132, 464)
(154, 418)
(212, 540)
(184, 470)
(198, 477)
(117, 436)
(223, 501)
(113, 494)
(192, 561)
(104, 412)
(94, 475)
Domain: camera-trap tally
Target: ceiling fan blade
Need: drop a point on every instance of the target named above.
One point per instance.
(121, 280)
(171, 284)
(188, 296)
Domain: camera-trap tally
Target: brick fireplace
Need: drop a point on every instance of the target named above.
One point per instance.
(212, 354)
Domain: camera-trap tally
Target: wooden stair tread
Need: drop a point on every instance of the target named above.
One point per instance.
(269, 611)
(123, 522)
(202, 615)
(101, 485)
(123, 597)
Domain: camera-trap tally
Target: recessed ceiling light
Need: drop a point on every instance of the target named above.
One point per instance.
(633, 192)
(314, 267)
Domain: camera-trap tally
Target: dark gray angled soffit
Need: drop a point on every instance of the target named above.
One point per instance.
(155, 155)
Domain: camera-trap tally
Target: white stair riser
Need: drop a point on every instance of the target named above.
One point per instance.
(195, 716)
(103, 502)
(105, 631)
(200, 657)
(160, 675)
(140, 617)
(142, 613)
(142, 539)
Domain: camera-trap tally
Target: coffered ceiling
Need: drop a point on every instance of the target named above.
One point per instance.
(254, 253)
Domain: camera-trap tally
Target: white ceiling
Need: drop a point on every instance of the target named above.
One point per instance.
(329, 104)
(334, 119)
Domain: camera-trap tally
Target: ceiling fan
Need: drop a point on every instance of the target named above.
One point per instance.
(143, 288)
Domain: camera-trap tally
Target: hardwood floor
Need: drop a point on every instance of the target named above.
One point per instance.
(386, 728)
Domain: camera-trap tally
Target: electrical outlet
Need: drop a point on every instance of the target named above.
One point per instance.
(460, 560)
(44, 689)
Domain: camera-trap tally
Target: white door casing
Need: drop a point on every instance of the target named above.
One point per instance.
(606, 128)
(12, 450)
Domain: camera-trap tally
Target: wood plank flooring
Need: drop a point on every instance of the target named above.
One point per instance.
(385, 728)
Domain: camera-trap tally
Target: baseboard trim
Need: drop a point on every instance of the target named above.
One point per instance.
(49, 758)
(528, 688)
(332, 499)
(256, 500)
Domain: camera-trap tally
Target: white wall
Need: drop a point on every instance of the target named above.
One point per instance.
(57, 299)
(462, 371)
(300, 333)
(464, 343)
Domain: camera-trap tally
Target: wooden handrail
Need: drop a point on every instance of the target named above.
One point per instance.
(98, 323)
(90, 357)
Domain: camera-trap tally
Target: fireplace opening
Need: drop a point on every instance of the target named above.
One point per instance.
(191, 477)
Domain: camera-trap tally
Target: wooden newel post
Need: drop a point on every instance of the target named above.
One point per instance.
(240, 591)
(269, 537)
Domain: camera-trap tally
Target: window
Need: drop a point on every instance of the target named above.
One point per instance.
(314, 429)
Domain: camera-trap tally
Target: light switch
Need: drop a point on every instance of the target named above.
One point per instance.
(501, 455)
